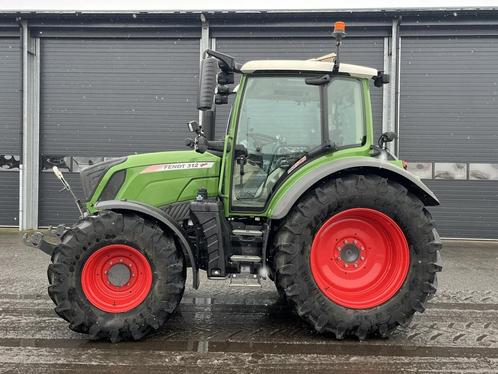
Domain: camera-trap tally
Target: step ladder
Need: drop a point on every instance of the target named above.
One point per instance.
(245, 278)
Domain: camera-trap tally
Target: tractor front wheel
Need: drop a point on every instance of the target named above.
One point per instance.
(357, 256)
(116, 276)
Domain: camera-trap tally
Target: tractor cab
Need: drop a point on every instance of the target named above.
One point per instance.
(286, 114)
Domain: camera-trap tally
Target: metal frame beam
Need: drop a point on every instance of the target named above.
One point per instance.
(29, 169)
(205, 43)
(396, 72)
(386, 89)
(390, 104)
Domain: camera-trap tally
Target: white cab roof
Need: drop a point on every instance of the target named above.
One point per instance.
(307, 65)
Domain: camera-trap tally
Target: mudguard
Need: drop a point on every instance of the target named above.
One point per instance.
(160, 216)
(353, 165)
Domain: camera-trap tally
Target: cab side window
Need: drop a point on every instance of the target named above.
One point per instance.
(345, 112)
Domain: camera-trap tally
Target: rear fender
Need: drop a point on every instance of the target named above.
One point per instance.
(358, 165)
(167, 222)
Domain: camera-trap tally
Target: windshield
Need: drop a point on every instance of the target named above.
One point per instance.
(279, 122)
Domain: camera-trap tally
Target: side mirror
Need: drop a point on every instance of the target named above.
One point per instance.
(386, 137)
(193, 126)
(381, 79)
(207, 83)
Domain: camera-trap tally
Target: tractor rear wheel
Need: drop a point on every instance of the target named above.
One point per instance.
(116, 276)
(357, 256)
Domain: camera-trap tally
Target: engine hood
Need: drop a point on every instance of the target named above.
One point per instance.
(159, 178)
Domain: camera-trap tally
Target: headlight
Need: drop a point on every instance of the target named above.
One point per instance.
(91, 176)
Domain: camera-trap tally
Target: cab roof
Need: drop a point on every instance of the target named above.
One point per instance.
(320, 64)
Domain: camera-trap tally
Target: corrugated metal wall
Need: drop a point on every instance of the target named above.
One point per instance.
(468, 208)
(448, 114)
(112, 97)
(361, 51)
(10, 127)
(106, 93)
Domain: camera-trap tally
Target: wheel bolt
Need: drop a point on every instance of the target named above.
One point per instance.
(362, 257)
(120, 260)
(355, 265)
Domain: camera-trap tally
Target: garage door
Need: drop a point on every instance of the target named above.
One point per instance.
(110, 97)
(449, 128)
(10, 129)
(368, 52)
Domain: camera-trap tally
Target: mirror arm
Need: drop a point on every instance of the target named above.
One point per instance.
(201, 144)
(318, 81)
(228, 63)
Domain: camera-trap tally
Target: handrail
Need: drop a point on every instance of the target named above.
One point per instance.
(222, 171)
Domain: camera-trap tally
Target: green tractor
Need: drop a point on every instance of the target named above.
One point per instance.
(297, 190)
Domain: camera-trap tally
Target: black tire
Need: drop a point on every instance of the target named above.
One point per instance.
(293, 241)
(94, 232)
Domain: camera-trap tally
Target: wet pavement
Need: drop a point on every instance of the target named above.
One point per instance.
(221, 329)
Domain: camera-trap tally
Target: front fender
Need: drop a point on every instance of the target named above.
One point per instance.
(352, 165)
(163, 218)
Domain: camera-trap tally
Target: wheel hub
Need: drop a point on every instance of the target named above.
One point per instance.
(359, 258)
(119, 275)
(349, 252)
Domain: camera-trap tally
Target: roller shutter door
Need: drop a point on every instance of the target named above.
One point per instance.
(10, 129)
(108, 98)
(449, 122)
(360, 51)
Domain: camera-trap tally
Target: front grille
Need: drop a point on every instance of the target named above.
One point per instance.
(91, 176)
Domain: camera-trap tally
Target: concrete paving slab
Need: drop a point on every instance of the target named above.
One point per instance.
(245, 330)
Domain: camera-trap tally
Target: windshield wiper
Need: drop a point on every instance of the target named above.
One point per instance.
(305, 156)
(315, 152)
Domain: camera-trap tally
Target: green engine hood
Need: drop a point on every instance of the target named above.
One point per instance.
(162, 178)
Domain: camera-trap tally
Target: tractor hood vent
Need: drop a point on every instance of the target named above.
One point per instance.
(91, 176)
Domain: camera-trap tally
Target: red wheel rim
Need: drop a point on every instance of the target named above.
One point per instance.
(116, 278)
(360, 258)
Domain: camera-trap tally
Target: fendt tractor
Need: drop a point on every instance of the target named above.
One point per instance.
(297, 191)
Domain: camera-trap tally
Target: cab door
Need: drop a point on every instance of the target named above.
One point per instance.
(277, 122)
